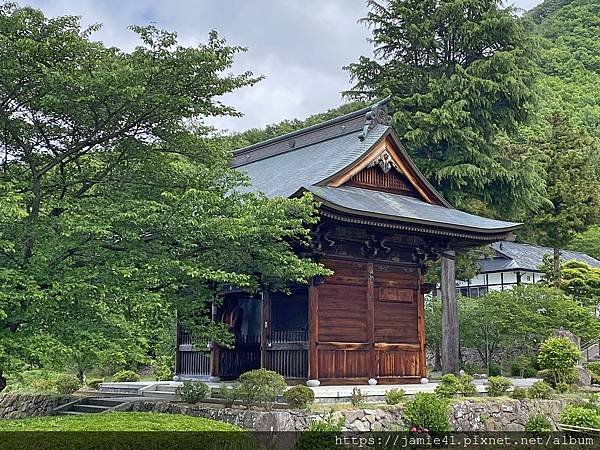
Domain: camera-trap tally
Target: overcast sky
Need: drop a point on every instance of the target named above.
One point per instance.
(299, 46)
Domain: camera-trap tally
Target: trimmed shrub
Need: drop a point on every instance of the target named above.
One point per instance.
(498, 386)
(538, 424)
(452, 385)
(260, 387)
(562, 388)
(43, 385)
(228, 395)
(299, 396)
(94, 383)
(519, 393)
(580, 417)
(192, 391)
(427, 412)
(570, 376)
(125, 375)
(357, 398)
(558, 356)
(394, 396)
(541, 389)
(67, 384)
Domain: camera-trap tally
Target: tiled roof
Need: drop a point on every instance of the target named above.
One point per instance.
(515, 256)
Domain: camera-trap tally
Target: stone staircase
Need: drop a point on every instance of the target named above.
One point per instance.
(163, 391)
(591, 351)
(91, 405)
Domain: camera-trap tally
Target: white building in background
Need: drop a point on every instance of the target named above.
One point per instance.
(512, 263)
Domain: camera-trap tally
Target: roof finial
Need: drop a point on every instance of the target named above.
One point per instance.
(377, 115)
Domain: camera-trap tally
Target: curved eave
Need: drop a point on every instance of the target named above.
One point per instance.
(409, 224)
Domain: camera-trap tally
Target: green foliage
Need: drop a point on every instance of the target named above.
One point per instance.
(357, 397)
(228, 394)
(588, 242)
(67, 384)
(321, 434)
(594, 367)
(192, 391)
(518, 393)
(459, 75)
(394, 396)
(452, 385)
(580, 417)
(520, 319)
(494, 370)
(498, 386)
(570, 160)
(94, 383)
(558, 356)
(538, 424)
(540, 389)
(299, 396)
(524, 367)
(163, 368)
(427, 412)
(581, 281)
(562, 388)
(125, 375)
(260, 387)
(117, 207)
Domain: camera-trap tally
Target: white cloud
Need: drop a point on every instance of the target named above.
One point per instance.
(299, 46)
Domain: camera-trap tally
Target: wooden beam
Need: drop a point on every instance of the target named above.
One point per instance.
(214, 351)
(313, 314)
(450, 336)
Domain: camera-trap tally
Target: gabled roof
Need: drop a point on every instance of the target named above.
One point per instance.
(320, 158)
(509, 256)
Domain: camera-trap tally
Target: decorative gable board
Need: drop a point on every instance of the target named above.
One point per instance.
(386, 168)
(375, 178)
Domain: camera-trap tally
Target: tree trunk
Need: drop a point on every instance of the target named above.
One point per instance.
(450, 336)
(556, 266)
(2, 382)
(437, 358)
(80, 376)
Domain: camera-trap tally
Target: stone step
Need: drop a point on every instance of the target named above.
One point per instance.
(104, 401)
(71, 413)
(89, 408)
(160, 394)
(165, 388)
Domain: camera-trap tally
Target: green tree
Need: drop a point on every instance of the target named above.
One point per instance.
(588, 242)
(460, 73)
(117, 208)
(570, 160)
(520, 319)
(582, 282)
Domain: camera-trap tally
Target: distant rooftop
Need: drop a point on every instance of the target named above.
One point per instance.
(510, 256)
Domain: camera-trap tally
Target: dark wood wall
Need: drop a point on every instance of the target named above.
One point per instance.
(367, 322)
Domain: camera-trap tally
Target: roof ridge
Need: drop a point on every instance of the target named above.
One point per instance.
(364, 118)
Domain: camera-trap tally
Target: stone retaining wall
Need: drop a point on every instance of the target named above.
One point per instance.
(19, 406)
(469, 415)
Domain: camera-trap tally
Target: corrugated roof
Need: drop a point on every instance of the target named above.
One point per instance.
(515, 256)
(410, 209)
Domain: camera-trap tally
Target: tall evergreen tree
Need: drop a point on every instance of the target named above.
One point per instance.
(460, 73)
(570, 161)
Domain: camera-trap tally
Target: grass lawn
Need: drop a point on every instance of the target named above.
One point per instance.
(117, 421)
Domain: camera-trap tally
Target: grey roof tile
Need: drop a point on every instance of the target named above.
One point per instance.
(395, 206)
(514, 255)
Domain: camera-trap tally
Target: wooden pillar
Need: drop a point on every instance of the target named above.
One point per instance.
(421, 326)
(313, 317)
(265, 334)
(214, 351)
(371, 320)
(450, 336)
